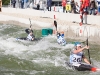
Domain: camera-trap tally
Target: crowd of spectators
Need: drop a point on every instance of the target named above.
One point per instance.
(19, 3)
(92, 7)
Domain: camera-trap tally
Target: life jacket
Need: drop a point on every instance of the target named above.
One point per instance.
(29, 37)
(76, 59)
(61, 40)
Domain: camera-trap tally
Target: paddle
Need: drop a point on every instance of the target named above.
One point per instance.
(55, 23)
(88, 51)
(30, 22)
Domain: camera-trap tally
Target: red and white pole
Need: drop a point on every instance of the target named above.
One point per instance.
(55, 23)
(85, 17)
(54, 13)
(81, 23)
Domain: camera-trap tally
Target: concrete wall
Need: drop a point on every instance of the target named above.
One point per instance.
(91, 19)
(92, 29)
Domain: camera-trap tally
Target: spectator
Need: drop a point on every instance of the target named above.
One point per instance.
(92, 7)
(98, 2)
(64, 5)
(68, 7)
(77, 8)
(49, 5)
(86, 4)
(73, 8)
(25, 3)
(13, 3)
(22, 4)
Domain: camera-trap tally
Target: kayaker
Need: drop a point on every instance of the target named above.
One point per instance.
(60, 39)
(30, 37)
(76, 57)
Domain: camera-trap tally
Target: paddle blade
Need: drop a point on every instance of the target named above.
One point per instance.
(30, 22)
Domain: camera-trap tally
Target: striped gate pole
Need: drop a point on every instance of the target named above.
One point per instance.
(54, 14)
(81, 23)
(85, 17)
(55, 22)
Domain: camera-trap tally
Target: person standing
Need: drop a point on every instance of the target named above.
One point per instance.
(64, 5)
(98, 2)
(25, 3)
(73, 7)
(49, 5)
(22, 3)
(85, 4)
(77, 8)
(13, 3)
(92, 7)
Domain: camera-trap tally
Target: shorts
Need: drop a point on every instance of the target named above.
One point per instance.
(83, 67)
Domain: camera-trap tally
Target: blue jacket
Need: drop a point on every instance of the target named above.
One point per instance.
(49, 2)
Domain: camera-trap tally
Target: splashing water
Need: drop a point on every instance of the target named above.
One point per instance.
(44, 57)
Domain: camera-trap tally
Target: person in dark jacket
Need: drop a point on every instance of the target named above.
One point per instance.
(22, 4)
(13, 2)
(92, 7)
(49, 5)
(73, 7)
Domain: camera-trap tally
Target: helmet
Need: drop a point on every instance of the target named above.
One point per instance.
(58, 34)
(77, 44)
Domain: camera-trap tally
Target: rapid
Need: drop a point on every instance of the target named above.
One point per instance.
(43, 57)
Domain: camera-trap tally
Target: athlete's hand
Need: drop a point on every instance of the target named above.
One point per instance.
(86, 47)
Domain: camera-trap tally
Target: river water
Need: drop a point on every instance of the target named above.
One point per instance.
(43, 57)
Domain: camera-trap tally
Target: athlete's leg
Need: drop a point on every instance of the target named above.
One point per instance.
(83, 67)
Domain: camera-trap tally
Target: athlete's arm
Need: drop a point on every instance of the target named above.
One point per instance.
(80, 49)
(85, 59)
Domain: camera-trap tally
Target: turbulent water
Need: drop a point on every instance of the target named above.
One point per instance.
(43, 57)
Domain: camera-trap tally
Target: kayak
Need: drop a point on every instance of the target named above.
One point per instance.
(24, 38)
(82, 67)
